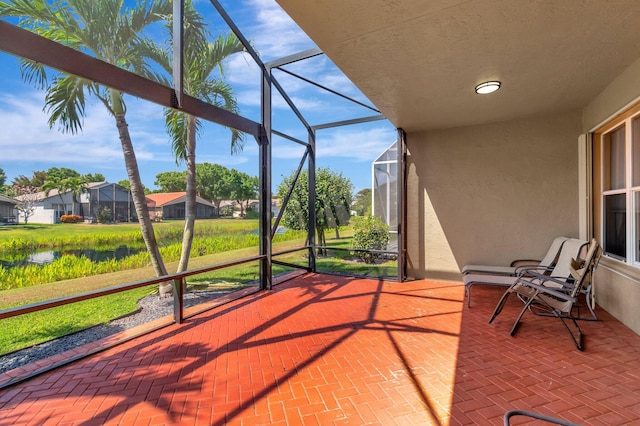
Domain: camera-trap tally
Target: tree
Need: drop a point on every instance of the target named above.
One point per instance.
(58, 174)
(201, 60)
(110, 30)
(37, 180)
(3, 179)
(126, 184)
(213, 183)
(171, 181)
(333, 194)
(362, 204)
(74, 184)
(97, 177)
(333, 199)
(243, 188)
(28, 197)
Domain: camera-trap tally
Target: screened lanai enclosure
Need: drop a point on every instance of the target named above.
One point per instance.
(108, 200)
(290, 135)
(385, 187)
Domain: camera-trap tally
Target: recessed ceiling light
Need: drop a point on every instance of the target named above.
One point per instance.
(487, 87)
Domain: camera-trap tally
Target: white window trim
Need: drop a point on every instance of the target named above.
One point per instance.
(628, 190)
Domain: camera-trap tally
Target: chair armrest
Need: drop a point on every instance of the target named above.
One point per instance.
(557, 293)
(537, 416)
(524, 262)
(532, 270)
(542, 278)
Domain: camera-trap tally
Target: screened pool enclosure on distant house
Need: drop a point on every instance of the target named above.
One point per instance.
(385, 187)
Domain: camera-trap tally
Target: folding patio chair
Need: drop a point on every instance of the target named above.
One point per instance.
(555, 294)
(548, 260)
(561, 251)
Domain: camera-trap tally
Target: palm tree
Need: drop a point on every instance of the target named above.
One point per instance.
(74, 184)
(201, 59)
(111, 31)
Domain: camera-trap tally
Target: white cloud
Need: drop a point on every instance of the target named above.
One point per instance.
(346, 143)
(27, 138)
(26, 135)
(242, 69)
(359, 145)
(223, 160)
(275, 33)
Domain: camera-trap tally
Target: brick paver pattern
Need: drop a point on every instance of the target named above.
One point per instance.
(323, 350)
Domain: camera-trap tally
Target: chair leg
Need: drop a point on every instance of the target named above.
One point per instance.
(577, 341)
(516, 324)
(500, 305)
(467, 293)
(591, 301)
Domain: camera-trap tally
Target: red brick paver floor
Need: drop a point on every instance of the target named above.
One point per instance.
(322, 350)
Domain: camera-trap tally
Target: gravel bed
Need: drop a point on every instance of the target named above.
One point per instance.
(151, 308)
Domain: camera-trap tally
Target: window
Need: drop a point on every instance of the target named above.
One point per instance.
(61, 209)
(620, 153)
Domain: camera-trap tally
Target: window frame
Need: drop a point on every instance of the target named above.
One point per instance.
(632, 213)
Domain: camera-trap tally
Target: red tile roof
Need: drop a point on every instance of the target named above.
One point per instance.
(162, 198)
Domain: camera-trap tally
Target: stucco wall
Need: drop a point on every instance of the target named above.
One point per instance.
(489, 194)
(617, 284)
(619, 94)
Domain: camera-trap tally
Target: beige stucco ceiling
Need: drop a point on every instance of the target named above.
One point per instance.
(418, 61)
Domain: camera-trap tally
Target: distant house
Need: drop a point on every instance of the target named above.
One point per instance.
(252, 205)
(108, 197)
(171, 205)
(8, 212)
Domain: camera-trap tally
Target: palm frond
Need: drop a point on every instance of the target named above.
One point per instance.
(176, 123)
(33, 73)
(65, 102)
(222, 48)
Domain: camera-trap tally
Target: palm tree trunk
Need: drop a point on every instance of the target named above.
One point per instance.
(140, 202)
(190, 201)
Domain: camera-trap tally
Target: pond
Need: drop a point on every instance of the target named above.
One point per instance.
(21, 259)
(279, 231)
(44, 257)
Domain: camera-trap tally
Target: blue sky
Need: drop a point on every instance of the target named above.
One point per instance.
(27, 144)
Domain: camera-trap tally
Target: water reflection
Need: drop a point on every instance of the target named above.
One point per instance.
(45, 257)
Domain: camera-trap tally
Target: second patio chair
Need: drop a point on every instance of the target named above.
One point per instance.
(548, 260)
(556, 294)
(506, 276)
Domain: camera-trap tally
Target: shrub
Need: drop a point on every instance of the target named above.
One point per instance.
(103, 215)
(70, 218)
(226, 211)
(370, 234)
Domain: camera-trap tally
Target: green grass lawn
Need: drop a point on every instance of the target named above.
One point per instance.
(37, 327)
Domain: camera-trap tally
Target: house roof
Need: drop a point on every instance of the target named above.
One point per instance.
(419, 61)
(91, 185)
(161, 199)
(7, 199)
